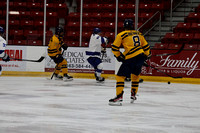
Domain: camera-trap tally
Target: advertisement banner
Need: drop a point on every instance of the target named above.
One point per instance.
(77, 61)
(185, 64)
(18, 52)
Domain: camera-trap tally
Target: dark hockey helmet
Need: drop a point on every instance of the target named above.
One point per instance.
(59, 31)
(1, 30)
(96, 30)
(128, 24)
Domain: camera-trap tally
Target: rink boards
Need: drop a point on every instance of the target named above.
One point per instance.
(185, 64)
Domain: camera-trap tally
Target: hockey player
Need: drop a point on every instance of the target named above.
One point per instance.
(55, 47)
(94, 52)
(136, 52)
(3, 55)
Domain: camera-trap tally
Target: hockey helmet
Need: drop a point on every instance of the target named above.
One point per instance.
(1, 30)
(96, 30)
(59, 31)
(128, 24)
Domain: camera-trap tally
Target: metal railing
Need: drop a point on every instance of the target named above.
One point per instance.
(158, 22)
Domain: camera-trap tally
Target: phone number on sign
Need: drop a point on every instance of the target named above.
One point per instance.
(78, 66)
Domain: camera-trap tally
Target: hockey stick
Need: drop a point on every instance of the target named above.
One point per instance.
(106, 43)
(165, 54)
(39, 60)
(163, 72)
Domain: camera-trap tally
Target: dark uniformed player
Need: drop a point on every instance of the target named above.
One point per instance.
(136, 52)
(55, 47)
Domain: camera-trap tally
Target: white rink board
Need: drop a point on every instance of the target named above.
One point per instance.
(26, 52)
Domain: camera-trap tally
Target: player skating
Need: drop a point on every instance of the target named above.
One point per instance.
(94, 52)
(55, 47)
(136, 52)
(3, 55)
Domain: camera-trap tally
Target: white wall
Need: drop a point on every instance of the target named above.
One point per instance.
(35, 52)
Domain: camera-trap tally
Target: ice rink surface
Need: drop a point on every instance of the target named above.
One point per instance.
(38, 105)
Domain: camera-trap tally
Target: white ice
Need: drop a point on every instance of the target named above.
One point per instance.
(38, 105)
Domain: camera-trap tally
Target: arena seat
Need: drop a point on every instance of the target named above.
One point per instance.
(52, 18)
(108, 8)
(108, 17)
(14, 24)
(195, 28)
(3, 23)
(71, 25)
(25, 15)
(193, 18)
(37, 15)
(32, 6)
(98, 24)
(26, 24)
(34, 42)
(16, 34)
(97, 16)
(19, 6)
(174, 46)
(86, 26)
(185, 37)
(19, 42)
(110, 26)
(31, 34)
(170, 38)
(191, 47)
(85, 44)
(196, 39)
(72, 35)
(51, 7)
(123, 8)
(39, 25)
(72, 43)
(73, 16)
(62, 9)
(160, 46)
(145, 8)
(182, 27)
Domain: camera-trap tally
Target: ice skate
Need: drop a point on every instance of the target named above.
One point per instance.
(117, 101)
(141, 81)
(133, 97)
(58, 77)
(100, 79)
(127, 79)
(67, 77)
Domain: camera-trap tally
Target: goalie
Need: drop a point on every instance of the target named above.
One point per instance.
(55, 47)
(3, 55)
(94, 52)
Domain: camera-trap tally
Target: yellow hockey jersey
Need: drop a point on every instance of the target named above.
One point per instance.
(133, 42)
(54, 46)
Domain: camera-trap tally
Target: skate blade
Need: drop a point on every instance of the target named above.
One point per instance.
(115, 104)
(54, 79)
(100, 81)
(132, 101)
(66, 80)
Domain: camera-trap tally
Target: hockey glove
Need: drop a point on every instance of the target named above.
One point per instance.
(6, 58)
(145, 64)
(147, 57)
(121, 58)
(58, 58)
(64, 46)
(107, 40)
(103, 50)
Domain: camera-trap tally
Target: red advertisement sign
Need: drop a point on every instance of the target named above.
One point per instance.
(185, 64)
